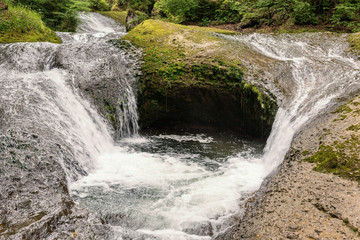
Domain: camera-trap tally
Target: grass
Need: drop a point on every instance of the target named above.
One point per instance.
(20, 24)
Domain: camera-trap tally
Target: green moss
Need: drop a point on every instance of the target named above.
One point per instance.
(305, 153)
(20, 24)
(352, 227)
(177, 56)
(119, 16)
(354, 40)
(168, 57)
(343, 109)
(341, 158)
(354, 128)
(110, 111)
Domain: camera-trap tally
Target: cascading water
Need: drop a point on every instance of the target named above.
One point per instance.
(40, 86)
(149, 189)
(163, 186)
(321, 71)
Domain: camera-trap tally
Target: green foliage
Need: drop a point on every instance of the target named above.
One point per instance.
(178, 10)
(347, 15)
(341, 14)
(59, 15)
(99, 5)
(140, 17)
(145, 6)
(304, 13)
(20, 24)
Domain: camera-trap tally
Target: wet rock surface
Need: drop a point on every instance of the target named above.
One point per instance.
(300, 203)
(35, 202)
(42, 146)
(196, 76)
(104, 74)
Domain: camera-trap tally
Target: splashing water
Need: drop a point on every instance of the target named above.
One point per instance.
(321, 72)
(177, 186)
(165, 193)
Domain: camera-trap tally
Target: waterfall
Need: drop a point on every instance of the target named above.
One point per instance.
(321, 71)
(42, 84)
(162, 186)
(92, 57)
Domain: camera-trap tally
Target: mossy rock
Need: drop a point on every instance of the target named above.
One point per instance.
(340, 158)
(192, 76)
(354, 41)
(119, 16)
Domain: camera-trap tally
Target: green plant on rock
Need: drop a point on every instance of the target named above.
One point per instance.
(110, 111)
(145, 6)
(354, 40)
(59, 15)
(176, 61)
(340, 158)
(99, 5)
(178, 10)
(304, 13)
(20, 24)
(119, 16)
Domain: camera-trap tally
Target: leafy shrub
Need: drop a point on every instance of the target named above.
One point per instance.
(343, 14)
(303, 13)
(134, 18)
(145, 6)
(178, 10)
(188, 10)
(60, 15)
(99, 5)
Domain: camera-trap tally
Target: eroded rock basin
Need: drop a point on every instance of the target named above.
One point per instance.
(59, 120)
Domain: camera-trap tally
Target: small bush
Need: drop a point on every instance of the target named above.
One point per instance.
(346, 15)
(188, 10)
(20, 24)
(99, 5)
(145, 6)
(59, 15)
(303, 13)
(178, 10)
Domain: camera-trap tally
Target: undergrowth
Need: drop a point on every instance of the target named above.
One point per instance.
(20, 24)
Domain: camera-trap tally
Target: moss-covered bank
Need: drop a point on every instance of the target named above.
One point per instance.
(338, 152)
(354, 40)
(20, 24)
(119, 16)
(193, 77)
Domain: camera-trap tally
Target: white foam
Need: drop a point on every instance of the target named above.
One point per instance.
(201, 138)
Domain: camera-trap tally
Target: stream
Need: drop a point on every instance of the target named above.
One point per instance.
(178, 185)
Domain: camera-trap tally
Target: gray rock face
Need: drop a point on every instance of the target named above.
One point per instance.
(47, 127)
(35, 202)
